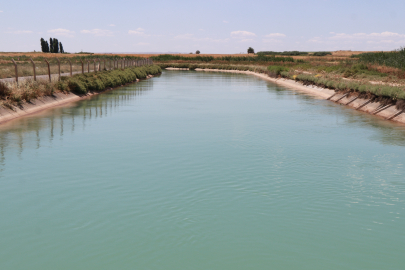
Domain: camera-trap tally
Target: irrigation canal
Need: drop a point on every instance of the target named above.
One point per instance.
(198, 170)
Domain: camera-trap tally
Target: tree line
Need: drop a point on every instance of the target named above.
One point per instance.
(54, 46)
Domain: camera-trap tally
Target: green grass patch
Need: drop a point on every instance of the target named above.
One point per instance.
(394, 59)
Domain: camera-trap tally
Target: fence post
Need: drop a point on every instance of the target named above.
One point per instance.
(57, 59)
(82, 66)
(71, 73)
(16, 70)
(49, 70)
(33, 66)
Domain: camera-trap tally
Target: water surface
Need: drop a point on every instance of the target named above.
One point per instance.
(194, 170)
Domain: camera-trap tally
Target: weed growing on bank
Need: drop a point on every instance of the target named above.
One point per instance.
(12, 94)
(98, 81)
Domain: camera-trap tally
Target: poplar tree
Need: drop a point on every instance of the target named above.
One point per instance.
(43, 45)
(46, 46)
(61, 47)
(55, 45)
(51, 45)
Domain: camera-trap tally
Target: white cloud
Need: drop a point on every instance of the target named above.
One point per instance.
(275, 35)
(225, 21)
(139, 32)
(246, 40)
(61, 32)
(1, 11)
(112, 25)
(20, 32)
(242, 34)
(134, 32)
(98, 32)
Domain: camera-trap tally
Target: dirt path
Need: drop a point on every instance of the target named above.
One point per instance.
(40, 77)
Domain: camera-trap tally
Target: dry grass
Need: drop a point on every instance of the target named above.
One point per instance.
(179, 54)
(12, 94)
(38, 54)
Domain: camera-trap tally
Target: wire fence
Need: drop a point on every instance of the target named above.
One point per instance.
(96, 65)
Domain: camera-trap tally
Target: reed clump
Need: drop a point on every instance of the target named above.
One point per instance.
(392, 59)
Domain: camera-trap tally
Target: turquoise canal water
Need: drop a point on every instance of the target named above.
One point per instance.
(194, 170)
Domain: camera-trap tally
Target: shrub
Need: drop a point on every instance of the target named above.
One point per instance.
(277, 69)
(288, 53)
(62, 85)
(197, 52)
(321, 53)
(77, 87)
(250, 50)
(4, 90)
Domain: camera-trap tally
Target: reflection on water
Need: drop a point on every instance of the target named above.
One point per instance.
(41, 129)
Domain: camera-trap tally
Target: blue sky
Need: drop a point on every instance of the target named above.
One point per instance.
(209, 26)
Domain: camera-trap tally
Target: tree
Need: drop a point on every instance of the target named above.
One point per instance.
(197, 52)
(55, 45)
(46, 46)
(250, 50)
(43, 48)
(51, 45)
(61, 47)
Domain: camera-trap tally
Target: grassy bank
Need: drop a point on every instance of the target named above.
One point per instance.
(385, 94)
(12, 94)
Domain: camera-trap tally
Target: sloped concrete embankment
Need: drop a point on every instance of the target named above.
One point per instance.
(44, 103)
(387, 112)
